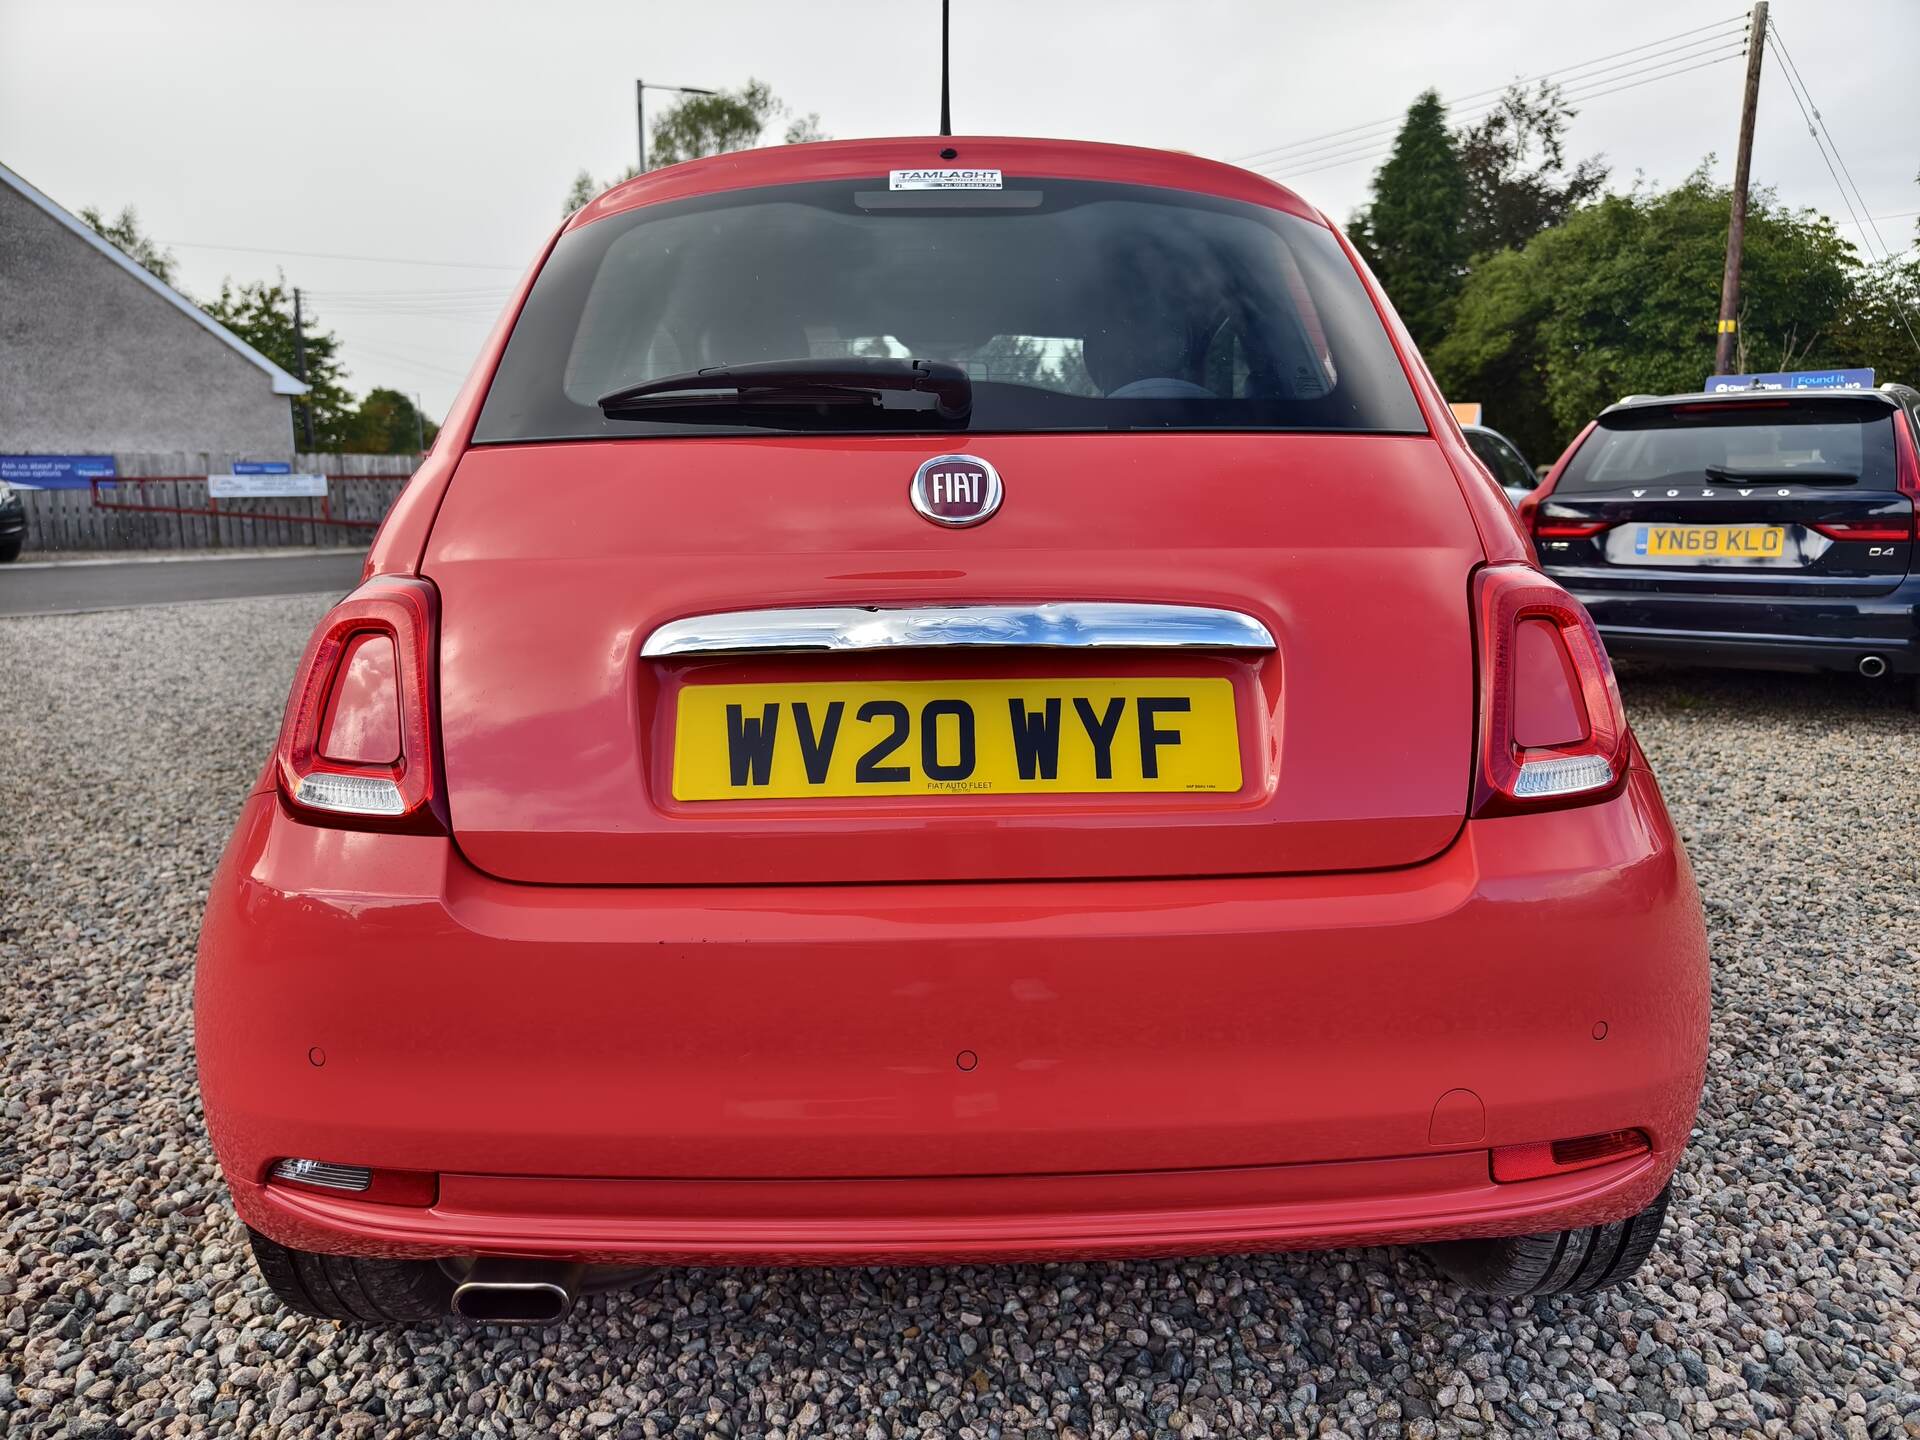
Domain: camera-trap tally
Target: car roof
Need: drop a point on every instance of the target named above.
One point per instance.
(1487, 430)
(1894, 395)
(872, 159)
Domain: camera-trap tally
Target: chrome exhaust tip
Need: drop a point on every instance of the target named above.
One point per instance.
(517, 1292)
(1873, 666)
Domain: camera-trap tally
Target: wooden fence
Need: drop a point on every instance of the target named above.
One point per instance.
(159, 502)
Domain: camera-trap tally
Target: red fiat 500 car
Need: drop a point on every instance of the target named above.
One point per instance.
(947, 700)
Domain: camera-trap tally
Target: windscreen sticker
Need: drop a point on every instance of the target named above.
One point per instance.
(943, 179)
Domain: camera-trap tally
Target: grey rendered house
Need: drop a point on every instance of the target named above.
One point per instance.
(97, 356)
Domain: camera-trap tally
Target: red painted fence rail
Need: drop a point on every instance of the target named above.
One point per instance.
(165, 507)
(212, 507)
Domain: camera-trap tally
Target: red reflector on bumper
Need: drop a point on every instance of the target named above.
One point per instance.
(1563, 1157)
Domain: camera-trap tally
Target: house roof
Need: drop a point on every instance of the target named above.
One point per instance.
(283, 383)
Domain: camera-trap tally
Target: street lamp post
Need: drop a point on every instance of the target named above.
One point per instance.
(640, 88)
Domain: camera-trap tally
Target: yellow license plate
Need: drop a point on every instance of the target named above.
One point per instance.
(955, 737)
(1729, 542)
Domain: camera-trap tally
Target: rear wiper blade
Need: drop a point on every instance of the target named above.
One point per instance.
(857, 385)
(1725, 473)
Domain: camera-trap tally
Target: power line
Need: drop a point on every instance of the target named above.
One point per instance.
(1566, 74)
(329, 255)
(1632, 80)
(480, 319)
(1796, 84)
(1886, 215)
(395, 357)
(1780, 45)
(1460, 110)
(1314, 141)
(461, 290)
(1374, 149)
(419, 307)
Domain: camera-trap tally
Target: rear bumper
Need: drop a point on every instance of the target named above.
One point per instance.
(1762, 632)
(756, 1075)
(1759, 652)
(983, 1219)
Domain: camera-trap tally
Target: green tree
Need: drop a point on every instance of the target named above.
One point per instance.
(262, 315)
(700, 125)
(1882, 320)
(124, 232)
(805, 129)
(1623, 298)
(387, 423)
(583, 189)
(1413, 233)
(1518, 182)
(1881, 327)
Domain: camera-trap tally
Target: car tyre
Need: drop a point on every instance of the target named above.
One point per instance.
(353, 1287)
(10, 549)
(1562, 1262)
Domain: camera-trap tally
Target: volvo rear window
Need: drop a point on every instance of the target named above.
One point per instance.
(1816, 442)
(1071, 305)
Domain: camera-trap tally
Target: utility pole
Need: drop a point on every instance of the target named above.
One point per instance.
(419, 426)
(300, 365)
(1723, 349)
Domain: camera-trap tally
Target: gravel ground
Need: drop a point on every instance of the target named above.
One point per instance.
(1786, 1299)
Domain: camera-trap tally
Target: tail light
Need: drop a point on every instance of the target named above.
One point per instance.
(1552, 728)
(1906, 464)
(357, 741)
(1888, 529)
(1552, 529)
(1891, 528)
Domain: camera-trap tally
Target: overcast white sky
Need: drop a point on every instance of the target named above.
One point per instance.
(430, 130)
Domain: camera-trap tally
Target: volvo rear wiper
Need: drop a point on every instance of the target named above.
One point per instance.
(850, 392)
(1727, 474)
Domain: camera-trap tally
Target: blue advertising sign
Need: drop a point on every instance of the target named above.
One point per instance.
(55, 472)
(262, 467)
(1794, 380)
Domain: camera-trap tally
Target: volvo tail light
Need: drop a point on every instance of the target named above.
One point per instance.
(1906, 464)
(1891, 529)
(1557, 529)
(357, 742)
(1529, 507)
(1888, 529)
(1552, 727)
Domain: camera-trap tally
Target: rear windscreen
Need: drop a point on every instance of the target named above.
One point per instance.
(1828, 442)
(1072, 305)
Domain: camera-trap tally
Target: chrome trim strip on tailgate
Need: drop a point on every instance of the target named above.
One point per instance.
(1093, 624)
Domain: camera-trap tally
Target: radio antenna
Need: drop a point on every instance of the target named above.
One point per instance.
(946, 109)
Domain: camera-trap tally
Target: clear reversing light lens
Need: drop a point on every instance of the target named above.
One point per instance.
(350, 794)
(1568, 775)
(323, 1172)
